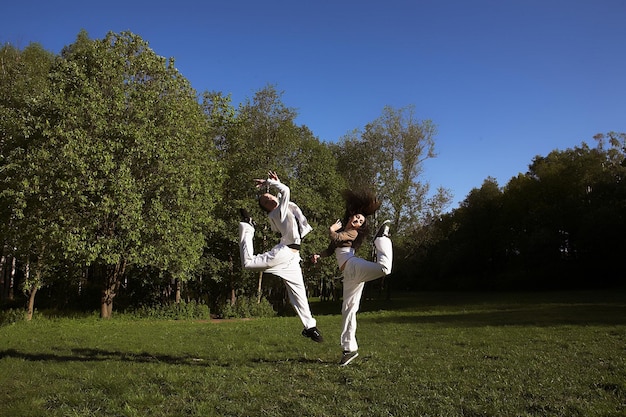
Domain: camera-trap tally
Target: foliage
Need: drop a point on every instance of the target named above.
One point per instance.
(247, 307)
(116, 177)
(12, 316)
(550, 228)
(183, 310)
(388, 157)
(27, 220)
(118, 163)
(263, 136)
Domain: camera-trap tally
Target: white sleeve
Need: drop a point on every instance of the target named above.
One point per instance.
(283, 197)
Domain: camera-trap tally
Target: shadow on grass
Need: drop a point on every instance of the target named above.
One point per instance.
(100, 355)
(469, 309)
(288, 360)
(540, 315)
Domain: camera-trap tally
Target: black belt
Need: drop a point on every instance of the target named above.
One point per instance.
(294, 246)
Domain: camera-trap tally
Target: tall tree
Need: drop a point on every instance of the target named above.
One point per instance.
(253, 142)
(128, 149)
(389, 156)
(264, 136)
(28, 216)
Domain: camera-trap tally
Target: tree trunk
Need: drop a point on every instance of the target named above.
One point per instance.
(11, 294)
(31, 302)
(3, 268)
(112, 281)
(259, 291)
(178, 285)
(106, 301)
(233, 297)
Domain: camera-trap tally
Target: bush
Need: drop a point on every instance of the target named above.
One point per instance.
(191, 310)
(246, 307)
(11, 316)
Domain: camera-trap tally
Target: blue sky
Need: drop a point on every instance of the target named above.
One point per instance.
(503, 80)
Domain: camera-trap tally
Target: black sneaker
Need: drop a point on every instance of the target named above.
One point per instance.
(246, 218)
(313, 334)
(383, 230)
(347, 357)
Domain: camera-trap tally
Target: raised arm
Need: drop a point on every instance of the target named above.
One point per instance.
(284, 195)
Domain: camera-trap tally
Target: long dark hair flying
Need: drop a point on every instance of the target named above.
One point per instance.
(362, 202)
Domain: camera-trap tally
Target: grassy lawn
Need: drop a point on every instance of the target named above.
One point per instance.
(428, 354)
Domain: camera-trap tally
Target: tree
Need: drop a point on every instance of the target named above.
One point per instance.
(391, 151)
(264, 136)
(28, 215)
(581, 198)
(388, 157)
(129, 154)
(313, 174)
(260, 137)
(557, 226)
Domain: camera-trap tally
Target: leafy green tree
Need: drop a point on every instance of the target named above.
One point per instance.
(314, 176)
(580, 204)
(28, 219)
(403, 143)
(356, 161)
(219, 271)
(129, 161)
(481, 234)
(388, 156)
(264, 136)
(553, 227)
(260, 137)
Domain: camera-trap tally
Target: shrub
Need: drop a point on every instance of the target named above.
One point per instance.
(11, 316)
(191, 310)
(246, 307)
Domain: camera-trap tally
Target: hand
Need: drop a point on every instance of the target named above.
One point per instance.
(272, 175)
(336, 226)
(261, 182)
(314, 258)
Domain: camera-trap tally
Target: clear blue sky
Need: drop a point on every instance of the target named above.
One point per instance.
(504, 80)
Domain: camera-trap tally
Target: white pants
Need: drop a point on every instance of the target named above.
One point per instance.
(356, 273)
(282, 262)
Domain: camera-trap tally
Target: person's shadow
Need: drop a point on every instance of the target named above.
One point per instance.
(101, 355)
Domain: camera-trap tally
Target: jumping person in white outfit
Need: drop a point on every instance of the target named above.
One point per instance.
(283, 259)
(344, 241)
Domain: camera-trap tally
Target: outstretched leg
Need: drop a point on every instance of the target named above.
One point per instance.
(384, 253)
(276, 256)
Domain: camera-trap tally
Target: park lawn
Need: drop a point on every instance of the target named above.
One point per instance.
(427, 354)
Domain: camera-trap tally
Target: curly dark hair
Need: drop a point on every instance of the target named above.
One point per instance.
(362, 202)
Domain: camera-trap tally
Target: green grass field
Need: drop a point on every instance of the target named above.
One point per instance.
(428, 354)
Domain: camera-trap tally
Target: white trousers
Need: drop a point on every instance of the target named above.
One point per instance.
(282, 262)
(356, 273)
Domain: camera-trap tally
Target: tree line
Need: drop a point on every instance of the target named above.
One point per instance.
(119, 181)
(560, 225)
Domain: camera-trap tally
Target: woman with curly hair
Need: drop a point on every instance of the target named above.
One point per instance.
(346, 236)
